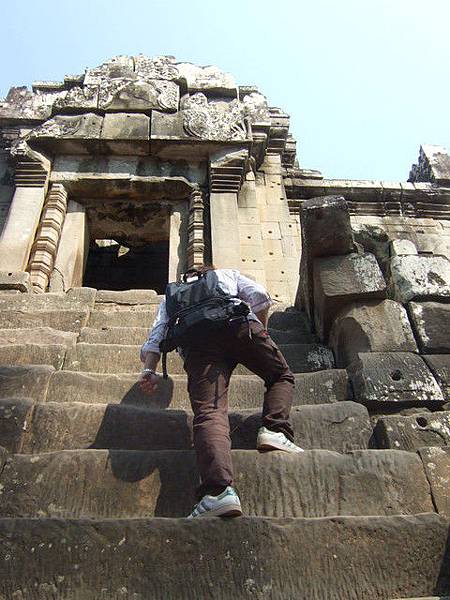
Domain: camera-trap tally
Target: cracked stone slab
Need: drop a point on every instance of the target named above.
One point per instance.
(422, 277)
(411, 432)
(393, 377)
(333, 558)
(436, 462)
(439, 365)
(431, 322)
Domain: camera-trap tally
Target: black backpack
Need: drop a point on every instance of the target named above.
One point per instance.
(196, 310)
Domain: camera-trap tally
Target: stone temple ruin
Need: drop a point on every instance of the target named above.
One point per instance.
(113, 183)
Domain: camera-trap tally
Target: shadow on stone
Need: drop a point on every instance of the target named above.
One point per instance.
(443, 583)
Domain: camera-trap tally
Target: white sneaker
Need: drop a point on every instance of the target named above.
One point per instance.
(226, 504)
(275, 440)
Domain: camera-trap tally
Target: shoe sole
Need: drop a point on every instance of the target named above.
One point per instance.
(228, 510)
(268, 446)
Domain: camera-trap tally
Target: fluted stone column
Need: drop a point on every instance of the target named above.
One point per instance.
(45, 246)
(23, 217)
(196, 237)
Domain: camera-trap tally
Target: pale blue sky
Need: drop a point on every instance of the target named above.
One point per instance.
(365, 81)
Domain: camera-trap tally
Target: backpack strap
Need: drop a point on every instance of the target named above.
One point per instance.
(164, 365)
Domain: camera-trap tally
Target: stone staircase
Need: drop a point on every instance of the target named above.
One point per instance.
(96, 477)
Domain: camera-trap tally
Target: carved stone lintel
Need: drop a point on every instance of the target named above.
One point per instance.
(196, 238)
(45, 246)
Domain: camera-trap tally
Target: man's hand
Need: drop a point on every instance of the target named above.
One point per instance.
(149, 382)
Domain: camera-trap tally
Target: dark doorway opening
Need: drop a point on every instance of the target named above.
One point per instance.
(111, 266)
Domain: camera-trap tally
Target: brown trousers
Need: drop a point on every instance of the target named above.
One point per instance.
(209, 366)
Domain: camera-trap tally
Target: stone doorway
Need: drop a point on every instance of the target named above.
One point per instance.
(112, 266)
(129, 246)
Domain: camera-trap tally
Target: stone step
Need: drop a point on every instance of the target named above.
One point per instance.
(28, 428)
(127, 297)
(288, 319)
(119, 358)
(250, 557)
(74, 299)
(122, 318)
(62, 320)
(410, 432)
(246, 391)
(138, 335)
(123, 484)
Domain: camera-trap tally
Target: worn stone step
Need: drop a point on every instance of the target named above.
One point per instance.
(127, 297)
(118, 484)
(122, 318)
(33, 354)
(249, 557)
(119, 358)
(138, 335)
(246, 391)
(74, 299)
(62, 320)
(32, 428)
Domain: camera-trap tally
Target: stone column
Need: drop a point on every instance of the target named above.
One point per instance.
(73, 250)
(23, 217)
(196, 238)
(178, 239)
(47, 239)
(225, 242)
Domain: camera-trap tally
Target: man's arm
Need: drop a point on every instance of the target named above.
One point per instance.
(263, 316)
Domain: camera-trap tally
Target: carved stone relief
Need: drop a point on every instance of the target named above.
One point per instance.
(158, 67)
(138, 94)
(78, 97)
(214, 120)
(81, 126)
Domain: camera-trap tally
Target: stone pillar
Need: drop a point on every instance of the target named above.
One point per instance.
(73, 250)
(225, 243)
(47, 239)
(178, 240)
(196, 237)
(23, 217)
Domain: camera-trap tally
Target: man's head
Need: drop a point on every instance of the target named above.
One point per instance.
(198, 271)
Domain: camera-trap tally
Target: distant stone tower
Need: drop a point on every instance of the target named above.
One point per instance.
(113, 183)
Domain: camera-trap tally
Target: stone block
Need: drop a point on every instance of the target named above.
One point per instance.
(333, 558)
(436, 462)
(402, 247)
(28, 381)
(15, 416)
(439, 365)
(420, 277)
(117, 318)
(373, 326)
(33, 354)
(124, 484)
(393, 377)
(340, 426)
(64, 320)
(325, 231)
(339, 280)
(75, 299)
(37, 335)
(245, 391)
(166, 127)
(431, 323)
(127, 297)
(16, 280)
(410, 432)
(126, 126)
